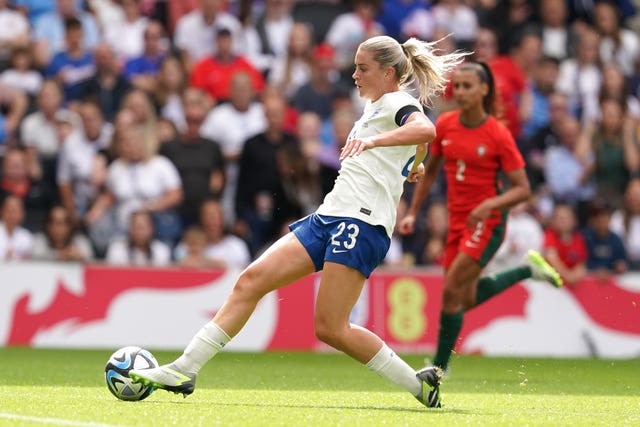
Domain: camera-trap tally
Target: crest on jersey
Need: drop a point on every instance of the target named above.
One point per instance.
(481, 150)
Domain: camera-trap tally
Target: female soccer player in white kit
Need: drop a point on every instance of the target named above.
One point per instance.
(349, 234)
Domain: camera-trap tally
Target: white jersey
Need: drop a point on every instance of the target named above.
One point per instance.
(369, 186)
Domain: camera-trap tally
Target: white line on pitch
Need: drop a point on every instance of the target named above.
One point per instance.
(56, 421)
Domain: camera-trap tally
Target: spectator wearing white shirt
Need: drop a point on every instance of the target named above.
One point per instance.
(458, 19)
(617, 44)
(221, 248)
(127, 36)
(20, 75)
(231, 124)
(39, 131)
(267, 37)
(81, 168)
(293, 70)
(580, 77)
(139, 179)
(14, 31)
(350, 29)
(16, 242)
(626, 223)
(139, 248)
(195, 32)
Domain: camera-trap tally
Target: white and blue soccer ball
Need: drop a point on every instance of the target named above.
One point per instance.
(116, 373)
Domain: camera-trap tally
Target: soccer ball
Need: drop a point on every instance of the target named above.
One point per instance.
(116, 373)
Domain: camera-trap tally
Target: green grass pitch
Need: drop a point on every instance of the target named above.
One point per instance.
(67, 388)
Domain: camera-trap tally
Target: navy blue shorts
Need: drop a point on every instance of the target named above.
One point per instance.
(343, 240)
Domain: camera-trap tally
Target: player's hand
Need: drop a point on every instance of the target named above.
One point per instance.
(354, 147)
(478, 215)
(406, 224)
(416, 173)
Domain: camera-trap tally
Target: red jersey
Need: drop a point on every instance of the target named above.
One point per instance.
(571, 253)
(472, 159)
(215, 77)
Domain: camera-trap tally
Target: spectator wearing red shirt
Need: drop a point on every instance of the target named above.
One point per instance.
(564, 246)
(213, 74)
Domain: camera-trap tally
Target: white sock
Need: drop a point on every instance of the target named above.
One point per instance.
(203, 346)
(389, 365)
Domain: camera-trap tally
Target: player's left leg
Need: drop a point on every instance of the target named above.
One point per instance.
(459, 283)
(339, 290)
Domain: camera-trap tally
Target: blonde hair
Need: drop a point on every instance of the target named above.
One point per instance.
(415, 60)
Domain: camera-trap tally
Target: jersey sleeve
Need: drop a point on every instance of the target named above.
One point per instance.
(510, 156)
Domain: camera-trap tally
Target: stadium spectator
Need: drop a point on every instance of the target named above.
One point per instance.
(293, 70)
(195, 32)
(169, 91)
(33, 9)
(60, 241)
(81, 170)
(457, 18)
(214, 74)
(625, 222)
(437, 225)
(566, 171)
(610, 151)
(317, 95)
(580, 77)
(262, 205)
(39, 131)
(20, 74)
(507, 18)
(268, 35)
(617, 44)
(141, 70)
(192, 249)
(542, 84)
(198, 160)
(140, 179)
(14, 105)
(558, 38)
(139, 247)
(231, 124)
(351, 28)
(396, 14)
(126, 36)
(34, 194)
(16, 242)
(107, 87)
(328, 156)
(144, 112)
(49, 30)
(74, 64)
(564, 246)
(14, 32)
(221, 248)
(535, 148)
(607, 254)
(614, 85)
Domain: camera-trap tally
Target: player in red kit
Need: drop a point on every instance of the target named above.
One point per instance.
(474, 148)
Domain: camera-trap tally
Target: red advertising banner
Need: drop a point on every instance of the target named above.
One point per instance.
(56, 305)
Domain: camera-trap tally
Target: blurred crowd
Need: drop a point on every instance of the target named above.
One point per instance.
(192, 132)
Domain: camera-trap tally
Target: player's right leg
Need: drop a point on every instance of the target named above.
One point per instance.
(284, 262)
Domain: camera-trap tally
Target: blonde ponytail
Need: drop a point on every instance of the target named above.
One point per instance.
(415, 60)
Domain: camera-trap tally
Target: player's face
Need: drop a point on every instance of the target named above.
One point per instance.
(369, 77)
(468, 89)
